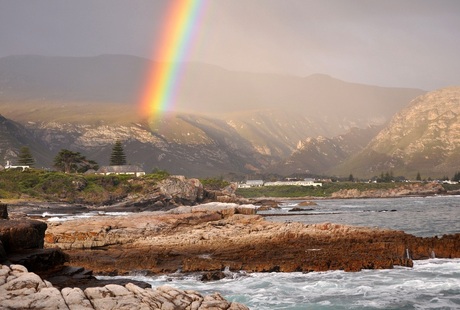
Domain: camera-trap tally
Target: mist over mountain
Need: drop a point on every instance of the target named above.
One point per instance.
(13, 136)
(106, 78)
(318, 155)
(423, 137)
(330, 105)
(223, 121)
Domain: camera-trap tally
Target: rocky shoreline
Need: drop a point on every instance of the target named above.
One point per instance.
(212, 237)
(56, 285)
(20, 289)
(184, 231)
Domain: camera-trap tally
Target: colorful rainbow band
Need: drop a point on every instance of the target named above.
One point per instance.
(164, 75)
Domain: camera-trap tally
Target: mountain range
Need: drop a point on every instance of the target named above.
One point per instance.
(422, 138)
(224, 122)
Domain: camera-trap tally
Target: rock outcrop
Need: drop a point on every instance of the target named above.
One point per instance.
(204, 238)
(20, 289)
(410, 189)
(168, 194)
(21, 241)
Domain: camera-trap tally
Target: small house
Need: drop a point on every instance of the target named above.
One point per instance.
(124, 169)
(10, 166)
(251, 183)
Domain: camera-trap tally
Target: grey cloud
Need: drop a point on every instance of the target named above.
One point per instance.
(412, 43)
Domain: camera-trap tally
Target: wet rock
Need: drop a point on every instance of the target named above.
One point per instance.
(3, 211)
(3, 256)
(296, 209)
(213, 276)
(39, 259)
(22, 234)
(21, 242)
(307, 203)
(266, 204)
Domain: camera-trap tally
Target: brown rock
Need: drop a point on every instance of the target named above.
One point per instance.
(209, 239)
(21, 242)
(416, 189)
(3, 211)
(22, 234)
(3, 256)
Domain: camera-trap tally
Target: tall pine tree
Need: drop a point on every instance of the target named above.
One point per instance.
(118, 157)
(25, 157)
(456, 177)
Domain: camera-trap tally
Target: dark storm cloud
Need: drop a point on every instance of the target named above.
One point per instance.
(411, 43)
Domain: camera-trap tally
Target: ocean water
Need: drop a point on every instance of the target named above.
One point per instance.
(419, 216)
(430, 284)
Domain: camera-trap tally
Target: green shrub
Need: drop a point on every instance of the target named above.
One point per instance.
(214, 184)
(157, 175)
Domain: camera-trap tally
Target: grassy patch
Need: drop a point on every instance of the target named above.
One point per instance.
(311, 191)
(451, 187)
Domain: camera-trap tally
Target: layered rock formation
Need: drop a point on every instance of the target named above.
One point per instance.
(204, 238)
(20, 289)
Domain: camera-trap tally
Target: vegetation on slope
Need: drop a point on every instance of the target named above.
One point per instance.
(73, 188)
(99, 189)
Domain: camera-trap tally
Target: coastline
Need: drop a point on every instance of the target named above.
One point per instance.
(210, 237)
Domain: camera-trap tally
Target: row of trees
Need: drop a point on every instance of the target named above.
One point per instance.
(388, 177)
(69, 161)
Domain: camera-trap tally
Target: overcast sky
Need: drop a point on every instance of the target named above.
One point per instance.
(408, 43)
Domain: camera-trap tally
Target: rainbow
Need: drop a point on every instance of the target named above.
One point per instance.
(163, 77)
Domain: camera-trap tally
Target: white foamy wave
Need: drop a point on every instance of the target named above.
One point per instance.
(56, 217)
(431, 284)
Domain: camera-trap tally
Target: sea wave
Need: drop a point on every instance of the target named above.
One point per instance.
(430, 284)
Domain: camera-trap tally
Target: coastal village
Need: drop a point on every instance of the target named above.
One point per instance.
(295, 182)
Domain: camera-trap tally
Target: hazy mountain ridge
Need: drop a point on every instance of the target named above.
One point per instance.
(424, 137)
(105, 78)
(202, 89)
(217, 153)
(241, 122)
(13, 136)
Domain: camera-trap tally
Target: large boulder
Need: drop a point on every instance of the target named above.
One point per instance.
(183, 191)
(21, 242)
(22, 234)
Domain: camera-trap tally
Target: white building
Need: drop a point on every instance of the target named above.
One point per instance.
(251, 183)
(124, 169)
(259, 183)
(10, 166)
(304, 182)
